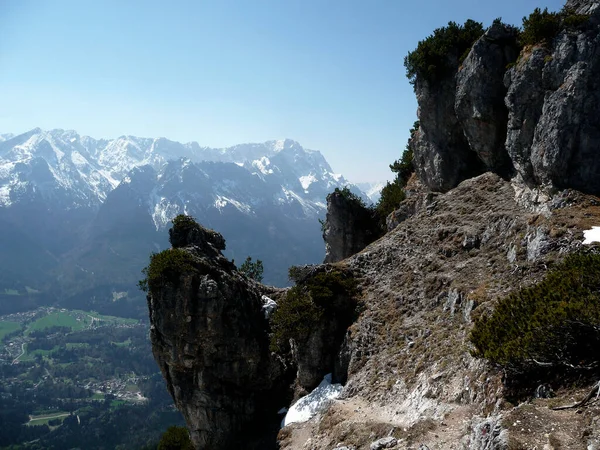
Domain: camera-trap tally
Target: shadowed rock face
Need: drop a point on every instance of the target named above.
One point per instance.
(537, 119)
(349, 227)
(209, 337)
(480, 95)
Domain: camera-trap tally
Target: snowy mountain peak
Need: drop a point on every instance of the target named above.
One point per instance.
(73, 171)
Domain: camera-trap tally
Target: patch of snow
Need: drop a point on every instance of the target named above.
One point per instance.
(5, 195)
(316, 401)
(279, 145)
(221, 202)
(162, 211)
(263, 164)
(79, 161)
(268, 307)
(373, 189)
(307, 180)
(592, 235)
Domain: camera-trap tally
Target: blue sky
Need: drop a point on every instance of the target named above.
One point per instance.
(327, 73)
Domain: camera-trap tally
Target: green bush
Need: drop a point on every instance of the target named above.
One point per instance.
(439, 54)
(392, 195)
(252, 269)
(404, 167)
(350, 196)
(393, 192)
(554, 325)
(182, 226)
(324, 296)
(573, 20)
(165, 267)
(541, 27)
(175, 438)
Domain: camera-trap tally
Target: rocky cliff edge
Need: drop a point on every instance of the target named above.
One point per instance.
(530, 112)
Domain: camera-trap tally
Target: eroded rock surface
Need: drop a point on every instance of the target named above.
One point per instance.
(537, 119)
(349, 227)
(209, 337)
(410, 373)
(480, 93)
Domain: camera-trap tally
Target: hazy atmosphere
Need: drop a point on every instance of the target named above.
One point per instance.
(328, 74)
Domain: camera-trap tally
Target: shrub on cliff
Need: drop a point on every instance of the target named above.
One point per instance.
(319, 298)
(554, 325)
(182, 227)
(165, 267)
(175, 438)
(350, 196)
(392, 195)
(393, 192)
(252, 269)
(439, 53)
(540, 27)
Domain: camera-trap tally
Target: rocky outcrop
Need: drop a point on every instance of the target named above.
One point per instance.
(210, 339)
(349, 226)
(480, 93)
(442, 157)
(566, 141)
(536, 119)
(410, 372)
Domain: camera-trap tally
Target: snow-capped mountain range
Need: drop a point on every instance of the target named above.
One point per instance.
(79, 214)
(80, 171)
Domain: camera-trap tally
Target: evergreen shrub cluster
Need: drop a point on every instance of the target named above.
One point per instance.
(393, 193)
(165, 267)
(253, 269)
(436, 55)
(182, 226)
(541, 27)
(324, 297)
(554, 325)
(175, 438)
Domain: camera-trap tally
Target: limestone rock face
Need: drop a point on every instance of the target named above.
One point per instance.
(536, 119)
(566, 144)
(209, 338)
(349, 227)
(442, 156)
(480, 96)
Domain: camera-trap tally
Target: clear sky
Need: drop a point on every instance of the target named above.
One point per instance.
(327, 73)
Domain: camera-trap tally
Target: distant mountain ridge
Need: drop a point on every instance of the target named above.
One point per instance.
(57, 160)
(79, 216)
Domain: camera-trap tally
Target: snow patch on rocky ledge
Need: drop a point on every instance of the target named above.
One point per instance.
(592, 235)
(316, 401)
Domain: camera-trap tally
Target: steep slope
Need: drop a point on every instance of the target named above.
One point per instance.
(409, 370)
